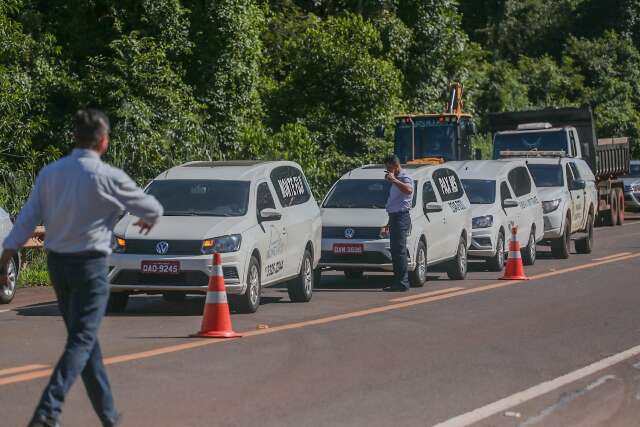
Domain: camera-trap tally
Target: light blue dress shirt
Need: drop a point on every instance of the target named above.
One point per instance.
(399, 201)
(79, 198)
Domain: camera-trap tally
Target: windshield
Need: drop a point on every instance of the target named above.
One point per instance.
(358, 193)
(183, 197)
(526, 141)
(432, 139)
(547, 175)
(634, 170)
(480, 191)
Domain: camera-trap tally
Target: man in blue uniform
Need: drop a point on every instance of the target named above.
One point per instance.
(398, 206)
(79, 199)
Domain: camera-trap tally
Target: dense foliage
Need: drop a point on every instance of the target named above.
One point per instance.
(306, 80)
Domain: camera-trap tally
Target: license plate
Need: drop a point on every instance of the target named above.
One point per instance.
(160, 267)
(348, 248)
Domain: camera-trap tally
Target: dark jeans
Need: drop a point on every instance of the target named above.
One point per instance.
(82, 289)
(399, 227)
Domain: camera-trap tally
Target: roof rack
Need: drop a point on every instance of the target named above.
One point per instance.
(532, 153)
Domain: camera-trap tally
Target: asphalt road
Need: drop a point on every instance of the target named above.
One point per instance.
(562, 349)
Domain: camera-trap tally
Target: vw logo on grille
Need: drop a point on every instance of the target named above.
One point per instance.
(349, 233)
(162, 247)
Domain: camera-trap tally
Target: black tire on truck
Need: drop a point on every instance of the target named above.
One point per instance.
(301, 288)
(457, 268)
(560, 247)
(250, 300)
(620, 206)
(614, 208)
(585, 245)
(418, 276)
(496, 262)
(118, 302)
(529, 251)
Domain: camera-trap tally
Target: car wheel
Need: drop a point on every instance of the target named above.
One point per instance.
(418, 276)
(353, 274)
(174, 296)
(585, 245)
(250, 300)
(301, 288)
(458, 266)
(118, 302)
(496, 262)
(8, 291)
(560, 246)
(529, 251)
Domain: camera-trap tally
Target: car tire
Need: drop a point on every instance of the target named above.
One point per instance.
(529, 252)
(8, 291)
(418, 276)
(457, 269)
(585, 245)
(614, 208)
(620, 207)
(301, 288)
(174, 296)
(353, 274)
(250, 300)
(118, 302)
(560, 246)
(496, 262)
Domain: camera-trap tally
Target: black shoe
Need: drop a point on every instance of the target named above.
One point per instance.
(113, 422)
(395, 289)
(43, 421)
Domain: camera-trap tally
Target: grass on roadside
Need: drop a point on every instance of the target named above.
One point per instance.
(34, 269)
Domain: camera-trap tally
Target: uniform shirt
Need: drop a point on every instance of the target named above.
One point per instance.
(79, 200)
(399, 201)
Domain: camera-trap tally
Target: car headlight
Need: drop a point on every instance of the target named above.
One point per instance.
(384, 232)
(119, 244)
(222, 244)
(550, 205)
(482, 221)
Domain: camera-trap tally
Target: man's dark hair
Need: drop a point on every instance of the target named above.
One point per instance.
(89, 125)
(391, 160)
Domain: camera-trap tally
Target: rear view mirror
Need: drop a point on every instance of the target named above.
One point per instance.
(432, 207)
(269, 215)
(578, 184)
(509, 203)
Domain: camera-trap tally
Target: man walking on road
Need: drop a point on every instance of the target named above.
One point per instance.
(398, 205)
(79, 199)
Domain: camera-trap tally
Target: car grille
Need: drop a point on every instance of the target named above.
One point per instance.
(185, 278)
(359, 232)
(364, 258)
(176, 247)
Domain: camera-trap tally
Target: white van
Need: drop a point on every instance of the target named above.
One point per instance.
(355, 236)
(226, 207)
(502, 195)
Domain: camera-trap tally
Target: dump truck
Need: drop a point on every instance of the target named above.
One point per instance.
(432, 138)
(568, 132)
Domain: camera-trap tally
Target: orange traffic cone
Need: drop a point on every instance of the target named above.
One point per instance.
(216, 320)
(515, 268)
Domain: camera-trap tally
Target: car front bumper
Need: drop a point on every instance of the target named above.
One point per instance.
(376, 256)
(483, 242)
(125, 273)
(632, 200)
(553, 225)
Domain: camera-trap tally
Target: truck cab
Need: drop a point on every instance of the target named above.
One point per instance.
(538, 137)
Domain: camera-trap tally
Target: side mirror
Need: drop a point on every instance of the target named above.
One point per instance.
(578, 184)
(269, 215)
(509, 203)
(432, 207)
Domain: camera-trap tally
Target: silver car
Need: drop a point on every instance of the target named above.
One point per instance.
(632, 187)
(8, 291)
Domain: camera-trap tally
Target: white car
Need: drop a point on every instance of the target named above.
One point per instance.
(261, 217)
(502, 195)
(355, 236)
(632, 186)
(8, 291)
(569, 196)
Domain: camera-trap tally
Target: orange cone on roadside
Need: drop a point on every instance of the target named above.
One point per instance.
(216, 320)
(515, 268)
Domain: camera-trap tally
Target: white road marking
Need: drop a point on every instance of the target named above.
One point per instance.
(521, 397)
(611, 256)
